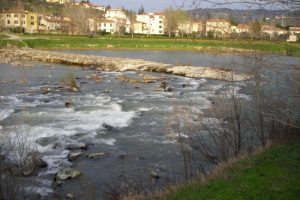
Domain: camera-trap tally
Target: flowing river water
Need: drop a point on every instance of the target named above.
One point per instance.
(119, 118)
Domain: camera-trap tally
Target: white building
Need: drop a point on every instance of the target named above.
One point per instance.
(115, 14)
(108, 26)
(155, 23)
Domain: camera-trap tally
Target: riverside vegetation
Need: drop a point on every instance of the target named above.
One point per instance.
(154, 43)
(273, 173)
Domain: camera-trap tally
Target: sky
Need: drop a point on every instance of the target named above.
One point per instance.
(160, 5)
(149, 5)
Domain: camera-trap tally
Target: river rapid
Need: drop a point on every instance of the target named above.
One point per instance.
(128, 121)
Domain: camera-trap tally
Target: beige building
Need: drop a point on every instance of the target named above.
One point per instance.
(53, 24)
(273, 31)
(243, 28)
(294, 30)
(190, 27)
(140, 27)
(28, 21)
(219, 27)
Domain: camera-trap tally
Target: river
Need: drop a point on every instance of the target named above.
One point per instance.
(125, 120)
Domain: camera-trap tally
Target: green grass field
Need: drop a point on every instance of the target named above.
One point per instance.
(271, 175)
(154, 43)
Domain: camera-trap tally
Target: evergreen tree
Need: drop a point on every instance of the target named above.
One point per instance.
(141, 10)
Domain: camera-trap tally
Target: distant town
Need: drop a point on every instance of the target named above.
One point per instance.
(86, 18)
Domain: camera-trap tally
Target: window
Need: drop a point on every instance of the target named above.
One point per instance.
(32, 23)
(15, 15)
(160, 26)
(104, 24)
(23, 22)
(8, 15)
(32, 17)
(16, 22)
(110, 25)
(8, 21)
(23, 16)
(160, 22)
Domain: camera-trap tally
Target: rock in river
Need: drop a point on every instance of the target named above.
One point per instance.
(97, 155)
(66, 173)
(69, 103)
(78, 146)
(74, 155)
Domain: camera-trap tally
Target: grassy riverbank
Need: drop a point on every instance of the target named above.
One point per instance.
(154, 43)
(271, 175)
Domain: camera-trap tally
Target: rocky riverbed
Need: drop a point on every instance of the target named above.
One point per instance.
(117, 64)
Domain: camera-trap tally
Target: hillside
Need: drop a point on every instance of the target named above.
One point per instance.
(243, 16)
(38, 6)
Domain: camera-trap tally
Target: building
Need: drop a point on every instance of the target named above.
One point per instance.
(53, 24)
(140, 27)
(243, 28)
(273, 31)
(218, 27)
(190, 27)
(292, 38)
(294, 30)
(108, 26)
(115, 14)
(155, 23)
(26, 21)
(60, 1)
(90, 5)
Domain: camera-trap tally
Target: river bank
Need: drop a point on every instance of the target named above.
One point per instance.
(202, 45)
(276, 177)
(116, 64)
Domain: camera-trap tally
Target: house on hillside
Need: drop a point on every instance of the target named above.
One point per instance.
(89, 5)
(218, 27)
(56, 25)
(154, 23)
(19, 19)
(115, 14)
(60, 1)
